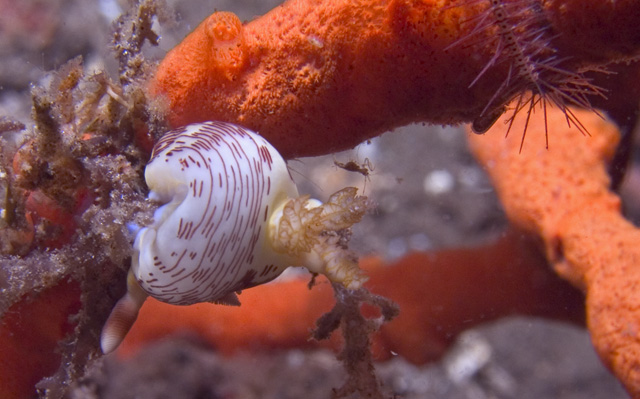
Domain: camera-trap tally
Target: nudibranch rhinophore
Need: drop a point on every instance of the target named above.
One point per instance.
(231, 218)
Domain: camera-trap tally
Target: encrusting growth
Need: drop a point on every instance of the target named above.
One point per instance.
(356, 330)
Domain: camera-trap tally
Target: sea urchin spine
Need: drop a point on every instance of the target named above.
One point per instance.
(522, 37)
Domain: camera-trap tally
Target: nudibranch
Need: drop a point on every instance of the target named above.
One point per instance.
(230, 218)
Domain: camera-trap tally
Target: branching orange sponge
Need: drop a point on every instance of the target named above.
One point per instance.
(319, 76)
(563, 195)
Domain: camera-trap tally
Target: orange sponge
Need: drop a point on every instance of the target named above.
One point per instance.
(318, 76)
(563, 195)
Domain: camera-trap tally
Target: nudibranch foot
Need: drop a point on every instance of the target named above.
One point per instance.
(122, 316)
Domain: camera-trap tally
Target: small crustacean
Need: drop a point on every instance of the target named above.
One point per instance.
(364, 169)
(230, 219)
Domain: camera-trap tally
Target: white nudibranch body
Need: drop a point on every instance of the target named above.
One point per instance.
(230, 219)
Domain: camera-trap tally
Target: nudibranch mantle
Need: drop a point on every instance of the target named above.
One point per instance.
(230, 219)
(219, 183)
